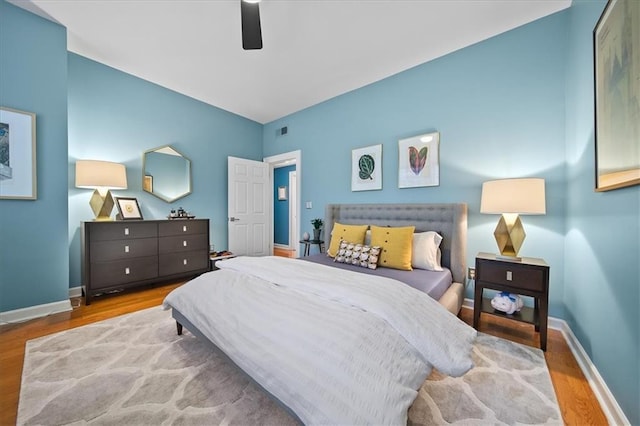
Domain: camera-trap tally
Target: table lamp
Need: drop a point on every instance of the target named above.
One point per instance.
(101, 176)
(511, 198)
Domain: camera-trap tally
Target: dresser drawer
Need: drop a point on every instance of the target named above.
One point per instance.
(512, 274)
(105, 251)
(109, 274)
(183, 227)
(179, 263)
(122, 230)
(183, 243)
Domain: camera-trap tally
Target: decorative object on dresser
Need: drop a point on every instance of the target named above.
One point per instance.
(511, 198)
(166, 173)
(128, 208)
(529, 277)
(101, 176)
(120, 255)
(180, 214)
(17, 154)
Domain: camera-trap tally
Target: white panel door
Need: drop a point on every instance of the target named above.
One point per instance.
(249, 207)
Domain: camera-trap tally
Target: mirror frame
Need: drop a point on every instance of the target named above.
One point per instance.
(146, 184)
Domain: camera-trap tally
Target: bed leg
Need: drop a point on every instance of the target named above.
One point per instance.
(179, 328)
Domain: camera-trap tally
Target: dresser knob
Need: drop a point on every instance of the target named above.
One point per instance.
(126, 271)
(126, 231)
(184, 243)
(126, 249)
(184, 261)
(184, 228)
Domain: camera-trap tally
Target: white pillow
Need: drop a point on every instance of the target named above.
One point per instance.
(425, 249)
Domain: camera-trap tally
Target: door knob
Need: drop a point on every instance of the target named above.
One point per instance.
(233, 219)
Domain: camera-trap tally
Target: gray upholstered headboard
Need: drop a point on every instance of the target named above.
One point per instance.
(449, 220)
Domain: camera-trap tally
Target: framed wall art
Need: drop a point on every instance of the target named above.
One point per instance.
(418, 161)
(128, 208)
(366, 168)
(616, 45)
(282, 193)
(17, 154)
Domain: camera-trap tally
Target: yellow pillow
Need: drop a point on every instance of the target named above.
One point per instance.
(396, 246)
(352, 233)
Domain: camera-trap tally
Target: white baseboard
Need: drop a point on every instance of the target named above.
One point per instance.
(608, 403)
(31, 312)
(75, 292)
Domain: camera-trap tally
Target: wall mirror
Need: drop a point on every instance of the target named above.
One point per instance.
(166, 173)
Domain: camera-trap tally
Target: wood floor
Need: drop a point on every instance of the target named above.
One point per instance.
(577, 402)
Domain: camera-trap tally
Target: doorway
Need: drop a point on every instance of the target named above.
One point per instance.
(288, 159)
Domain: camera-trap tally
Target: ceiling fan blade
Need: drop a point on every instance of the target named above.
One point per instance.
(251, 31)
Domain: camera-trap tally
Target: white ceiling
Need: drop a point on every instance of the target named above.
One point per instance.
(313, 49)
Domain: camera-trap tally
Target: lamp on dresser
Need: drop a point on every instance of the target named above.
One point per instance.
(511, 198)
(101, 176)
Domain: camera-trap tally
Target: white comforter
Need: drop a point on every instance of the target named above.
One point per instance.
(335, 346)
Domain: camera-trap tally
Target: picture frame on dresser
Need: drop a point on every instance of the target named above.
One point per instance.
(128, 208)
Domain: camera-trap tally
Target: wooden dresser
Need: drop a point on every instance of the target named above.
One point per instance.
(123, 254)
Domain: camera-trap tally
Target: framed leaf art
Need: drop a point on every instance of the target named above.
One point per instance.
(366, 168)
(418, 161)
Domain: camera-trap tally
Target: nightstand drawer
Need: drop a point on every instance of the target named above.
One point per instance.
(511, 274)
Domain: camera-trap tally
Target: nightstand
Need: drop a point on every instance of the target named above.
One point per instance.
(215, 257)
(308, 243)
(528, 277)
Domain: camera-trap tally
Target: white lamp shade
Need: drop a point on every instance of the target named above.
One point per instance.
(100, 174)
(521, 196)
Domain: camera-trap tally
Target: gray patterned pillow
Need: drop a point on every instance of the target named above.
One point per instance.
(358, 255)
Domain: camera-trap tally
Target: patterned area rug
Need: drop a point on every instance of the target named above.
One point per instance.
(135, 370)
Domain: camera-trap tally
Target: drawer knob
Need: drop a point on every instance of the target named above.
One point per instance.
(127, 271)
(184, 228)
(126, 249)
(184, 261)
(509, 276)
(184, 243)
(126, 231)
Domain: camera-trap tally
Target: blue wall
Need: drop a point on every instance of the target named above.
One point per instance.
(488, 102)
(34, 256)
(281, 207)
(602, 244)
(115, 116)
(519, 104)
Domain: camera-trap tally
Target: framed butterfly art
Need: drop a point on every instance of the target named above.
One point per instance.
(418, 161)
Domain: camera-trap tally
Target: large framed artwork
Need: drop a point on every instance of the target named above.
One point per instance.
(17, 154)
(418, 161)
(616, 45)
(366, 168)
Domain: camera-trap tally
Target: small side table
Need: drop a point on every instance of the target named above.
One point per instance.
(213, 258)
(529, 277)
(308, 243)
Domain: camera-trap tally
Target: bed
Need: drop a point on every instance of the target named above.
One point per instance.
(449, 220)
(336, 346)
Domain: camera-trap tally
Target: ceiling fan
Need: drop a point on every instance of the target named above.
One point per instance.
(251, 31)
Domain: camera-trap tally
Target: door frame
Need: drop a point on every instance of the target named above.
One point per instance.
(282, 160)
